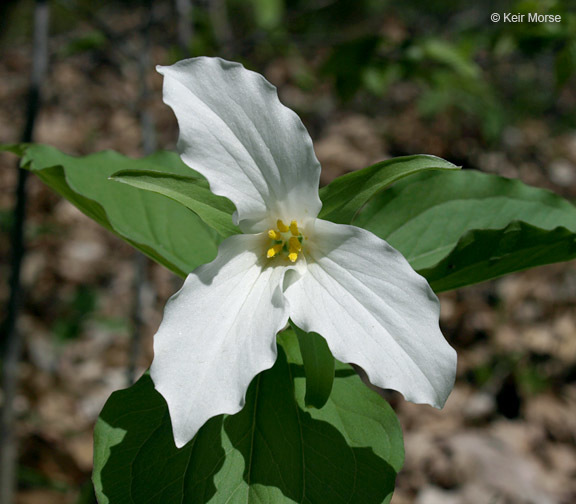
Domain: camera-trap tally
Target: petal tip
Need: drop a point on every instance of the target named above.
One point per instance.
(180, 441)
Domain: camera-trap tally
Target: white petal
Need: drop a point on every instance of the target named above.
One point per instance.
(218, 332)
(374, 311)
(250, 147)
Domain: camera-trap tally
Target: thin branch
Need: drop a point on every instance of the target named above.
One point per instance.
(139, 266)
(147, 122)
(185, 26)
(148, 130)
(12, 343)
(219, 18)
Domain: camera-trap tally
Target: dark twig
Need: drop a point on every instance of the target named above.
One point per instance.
(221, 26)
(146, 118)
(139, 265)
(147, 127)
(12, 343)
(185, 26)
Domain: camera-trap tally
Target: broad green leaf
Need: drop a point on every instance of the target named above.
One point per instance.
(318, 366)
(193, 193)
(343, 198)
(481, 255)
(274, 451)
(459, 228)
(135, 459)
(163, 229)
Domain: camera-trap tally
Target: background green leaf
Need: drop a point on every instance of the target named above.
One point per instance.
(161, 228)
(273, 451)
(343, 198)
(459, 228)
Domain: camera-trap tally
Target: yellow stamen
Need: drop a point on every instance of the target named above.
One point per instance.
(275, 235)
(294, 228)
(272, 251)
(281, 226)
(294, 244)
(281, 243)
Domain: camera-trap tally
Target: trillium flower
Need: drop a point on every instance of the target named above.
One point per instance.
(343, 282)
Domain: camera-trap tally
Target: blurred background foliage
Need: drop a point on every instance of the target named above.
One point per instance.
(480, 75)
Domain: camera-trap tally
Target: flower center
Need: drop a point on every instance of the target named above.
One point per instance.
(285, 239)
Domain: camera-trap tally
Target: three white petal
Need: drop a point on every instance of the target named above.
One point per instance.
(350, 286)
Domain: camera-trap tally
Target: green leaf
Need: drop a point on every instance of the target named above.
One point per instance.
(565, 66)
(481, 255)
(460, 228)
(318, 366)
(273, 451)
(268, 13)
(348, 61)
(193, 193)
(343, 198)
(18, 149)
(163, 229)
(135, 460)
(454, 57)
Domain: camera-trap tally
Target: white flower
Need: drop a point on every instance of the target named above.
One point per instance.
(340, 281)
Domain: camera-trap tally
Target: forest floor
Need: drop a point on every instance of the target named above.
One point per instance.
(508, 432)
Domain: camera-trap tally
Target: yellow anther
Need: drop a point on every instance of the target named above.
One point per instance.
(294, 228)
(272, 251)
(294, 244)
(283, 244)
(275, 235)
(283, 228)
